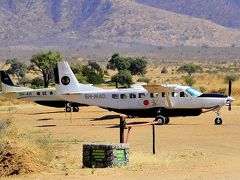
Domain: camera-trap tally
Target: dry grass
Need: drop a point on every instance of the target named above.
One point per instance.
(5, 101)
(23, 151)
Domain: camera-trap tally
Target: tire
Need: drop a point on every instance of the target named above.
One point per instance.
(75, 108)
(68, 109)
(160, 120)
(218, 121)
(167, 120)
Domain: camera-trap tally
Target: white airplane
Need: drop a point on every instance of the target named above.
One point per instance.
(159, 101)
(44, 96)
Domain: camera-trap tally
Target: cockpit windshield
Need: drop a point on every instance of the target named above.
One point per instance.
(193, 92)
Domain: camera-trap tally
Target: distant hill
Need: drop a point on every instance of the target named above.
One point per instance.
(223, 12)
(71, 23)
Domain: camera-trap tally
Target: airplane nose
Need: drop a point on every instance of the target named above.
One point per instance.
(230, 99)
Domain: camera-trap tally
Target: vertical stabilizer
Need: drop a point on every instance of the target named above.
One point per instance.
(6, 79)
(7, 84)
(66, 82)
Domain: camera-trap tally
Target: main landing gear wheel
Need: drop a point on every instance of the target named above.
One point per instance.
(75, 108)
(218, 121)
(161, 120)
(68, 109)
(167, 120)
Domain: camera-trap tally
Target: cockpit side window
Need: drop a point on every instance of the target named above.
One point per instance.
(182, 94)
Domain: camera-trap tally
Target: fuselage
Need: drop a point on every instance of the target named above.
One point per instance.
(185, 101)
(45, 97)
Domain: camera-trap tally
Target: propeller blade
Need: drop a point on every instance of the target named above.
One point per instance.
(229, 88)
(229, 93)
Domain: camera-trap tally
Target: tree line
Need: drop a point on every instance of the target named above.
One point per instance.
(43, 64)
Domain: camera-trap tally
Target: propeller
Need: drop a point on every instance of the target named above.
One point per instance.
(229, 94)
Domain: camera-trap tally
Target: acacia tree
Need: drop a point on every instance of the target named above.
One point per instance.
(93, 72)
(189, 68)
(44, 63)
(138, 66)
(118, 62)
(16, 68)
(123, 77)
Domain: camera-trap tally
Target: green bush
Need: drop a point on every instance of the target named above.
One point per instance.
(37, 82)
(189, 80)
(231, 77)
(143, 79)
(202, 89)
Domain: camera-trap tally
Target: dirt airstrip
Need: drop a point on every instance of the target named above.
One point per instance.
(187, 148)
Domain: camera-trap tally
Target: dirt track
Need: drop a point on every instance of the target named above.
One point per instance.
(187, 148)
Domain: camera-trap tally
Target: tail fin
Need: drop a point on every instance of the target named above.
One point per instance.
(66, 82)
(7, 84)
(5, 79)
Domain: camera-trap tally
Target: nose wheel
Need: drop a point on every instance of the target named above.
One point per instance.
(218, 120)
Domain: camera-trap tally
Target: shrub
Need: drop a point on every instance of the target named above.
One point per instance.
(37, 82)
(143, 79)
(189, 80)
(202, 89)
(164, 70)
(231, 77)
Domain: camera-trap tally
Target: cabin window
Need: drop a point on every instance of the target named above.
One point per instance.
(44, 93)
(163, 94)
(174, 94)
(38, 93)
(115, 96)
(132, 96)
(182, 94)
(51, 93)
(153, 95)
(123, 96)
(141, 95)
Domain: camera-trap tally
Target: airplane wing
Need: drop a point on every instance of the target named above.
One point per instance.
(156, 88)
(160, 89)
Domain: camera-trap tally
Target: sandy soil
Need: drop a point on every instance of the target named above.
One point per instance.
(187, 148)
